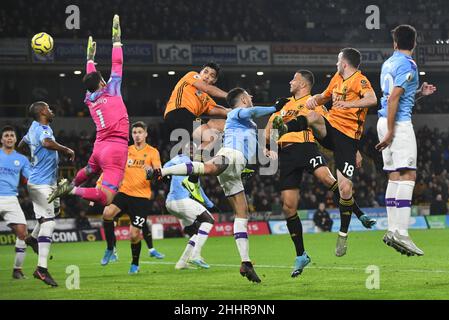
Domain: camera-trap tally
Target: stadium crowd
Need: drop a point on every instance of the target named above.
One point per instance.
(262, 191)
(232, 20)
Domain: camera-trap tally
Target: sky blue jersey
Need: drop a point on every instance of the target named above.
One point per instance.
(177, 191)
(12, 166)
(44, 162)
(399, 70)
(240, 131)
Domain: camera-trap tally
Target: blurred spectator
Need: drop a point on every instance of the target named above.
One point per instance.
(82, 221)
(322, 218)
(438, 206)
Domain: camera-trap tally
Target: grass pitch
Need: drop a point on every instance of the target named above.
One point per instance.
(326, 277)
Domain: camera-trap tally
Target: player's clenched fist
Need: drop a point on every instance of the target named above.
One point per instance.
(311, 103)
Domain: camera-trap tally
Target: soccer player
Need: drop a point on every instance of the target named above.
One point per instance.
(13, 165)
(399, 80)
(109, 113)
(341, 129)
(42, 181)
(298, 151)
(239, 148)
(190, 99)
(194, 217)
(134, 196)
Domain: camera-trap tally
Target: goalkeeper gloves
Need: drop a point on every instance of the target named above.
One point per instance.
(91, 49)
(116, 32)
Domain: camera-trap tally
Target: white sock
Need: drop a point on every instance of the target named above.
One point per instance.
(390, 203)
(184, 169)
(20, 253)
(44, 239)
(201, 237)
(404, 197)
(35, 232)
(188, 250)
(241, 237)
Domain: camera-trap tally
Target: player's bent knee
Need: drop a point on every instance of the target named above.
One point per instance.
(205, 217)
(192, 229)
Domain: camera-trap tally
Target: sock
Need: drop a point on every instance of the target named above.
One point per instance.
(91, 194)
(196, 158)
(44, 240)
(241, 238)
(203, 234)
(35, 232)
(20, 253)
(404, 197)
(108, 226)
(345, 207)
(135, 252)
(147, 236)
(300, 124)
(294, 226)
(188, 250)
(184, 169)
(81, 177)
(356, 209)
(390, 203)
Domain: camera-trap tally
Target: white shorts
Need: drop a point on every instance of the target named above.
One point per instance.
(231, 179)
(11, 211)
(39, 195)
(402, 153)
(186, 210)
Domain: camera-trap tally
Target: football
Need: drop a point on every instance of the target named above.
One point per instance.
(42, 43)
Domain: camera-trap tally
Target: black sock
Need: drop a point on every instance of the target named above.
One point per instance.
(196, 157)
(300, 124)
(146, 232)
(108, 226)
(135, 251)
(294, 226)
(336, 193)
(356, 209)
(345, 213)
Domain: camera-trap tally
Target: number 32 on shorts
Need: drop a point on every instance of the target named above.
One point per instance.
(348, 169)
(138, 221)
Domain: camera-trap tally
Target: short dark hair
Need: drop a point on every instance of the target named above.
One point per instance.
(139, 124)
(92, 81)
(353, 56)
(233, 96)
(35, 108)
(8, 128)
(308, 75)
(405, 36)
(214, 66)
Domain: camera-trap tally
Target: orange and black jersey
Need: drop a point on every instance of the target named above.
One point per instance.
(293, 109)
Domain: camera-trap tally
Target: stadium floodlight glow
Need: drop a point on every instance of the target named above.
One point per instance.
(155, 75)
(77, 72)
(62, 75)
(259, 73)
(243, 75)
(422, 73)
(328, 75)
(171, 73)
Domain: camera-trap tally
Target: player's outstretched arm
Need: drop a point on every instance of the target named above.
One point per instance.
(117, 51)
(368, 100)
(218, 112)
(317, 100)
(426, 89)
(91, 50)
(210, 89)
(53, 145)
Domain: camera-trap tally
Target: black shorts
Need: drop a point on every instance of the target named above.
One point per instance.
(182, 119)
(95, 209)
(136, 208)
(344, 148)
(293, 159)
